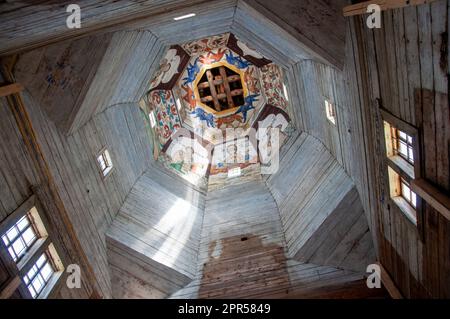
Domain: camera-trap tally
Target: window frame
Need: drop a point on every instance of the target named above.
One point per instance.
(330, 111)
(43, 244)
(405, 169)
(106, 155)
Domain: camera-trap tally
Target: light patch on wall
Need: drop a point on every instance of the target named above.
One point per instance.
(285, 92)
(234, 172)
(178, 104)
(329, 109)
(186, 16)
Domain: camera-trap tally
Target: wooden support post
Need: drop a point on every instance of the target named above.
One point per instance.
(389, 284)
(10, 89)
(361, 8)
(212, 87)
(10, 287)
(433, 196)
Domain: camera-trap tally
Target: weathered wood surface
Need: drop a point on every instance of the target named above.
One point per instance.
(154, 240)
(243, 253)
(92, 201)
(59, 75)
(405, 59)
(321, 212)
(73, 80)
(361, 8)
(29, 26)
(317, 24)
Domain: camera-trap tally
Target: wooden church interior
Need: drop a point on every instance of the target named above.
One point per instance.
(95, 173)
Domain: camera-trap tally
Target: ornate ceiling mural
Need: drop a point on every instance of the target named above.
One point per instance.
(201, 91)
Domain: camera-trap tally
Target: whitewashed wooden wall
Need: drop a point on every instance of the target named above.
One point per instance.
(123, 75)
(243, 254)
(321, 213)
(154, 240)
(92, 201)
(409, 54)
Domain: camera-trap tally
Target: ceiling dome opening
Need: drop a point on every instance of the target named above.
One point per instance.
(220, 88)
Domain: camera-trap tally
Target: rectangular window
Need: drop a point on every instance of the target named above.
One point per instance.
(402, 145)
(330, 112)
(36, 261)
(39, 275)
(152, 119)
(104, 162)
(20, 237)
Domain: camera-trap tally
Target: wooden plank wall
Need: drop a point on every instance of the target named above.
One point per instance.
(123, 75)
(28, 27)
(154, 240)
(243, 254)
(317, 24)
(92, 201)
(408, 54)
(17, 177)
(321, 212)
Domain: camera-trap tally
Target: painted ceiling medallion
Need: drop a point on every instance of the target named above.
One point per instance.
(206, 87)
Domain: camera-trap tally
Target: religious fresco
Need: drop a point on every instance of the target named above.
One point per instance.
(169, 69)
(272, 79)
(168, 121)
(205, 45)
(201, 116)
(245, 51)
(207, 87)
(188, 158)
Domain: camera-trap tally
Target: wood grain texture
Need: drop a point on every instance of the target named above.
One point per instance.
(154, 240)
(321, 212)
(417, 265)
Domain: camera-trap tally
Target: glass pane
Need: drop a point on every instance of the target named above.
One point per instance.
(410, 139)
(403, 149)
(23, 223)
(411, 154)
(38, 283)
(32, 271)
(406, 192)
(41, 261)
(414, 199)
(12, 233)
(5, 240)
(32, 291)
(29, 236)
(12, 253)
(47, 271)
(19, 246)
(402, 135)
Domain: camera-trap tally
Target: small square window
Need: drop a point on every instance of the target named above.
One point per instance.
(285, 92)
(330, 112)
(104, 162)
(20, 237)
(152, 119)
(39, 275)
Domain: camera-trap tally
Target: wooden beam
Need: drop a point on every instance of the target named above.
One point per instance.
(361, 8)
(227, 87)
(433, 196)
(10, 287)
(212, 88)
(389, 284)
(10, 89)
